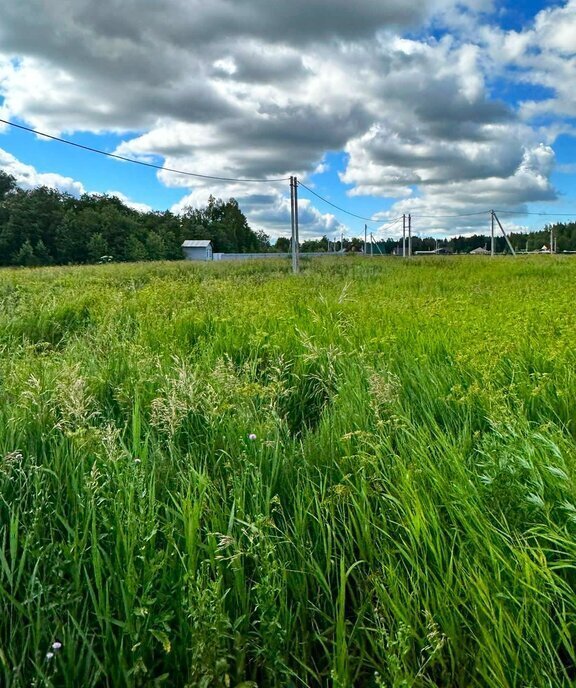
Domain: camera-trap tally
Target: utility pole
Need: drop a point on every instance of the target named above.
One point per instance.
(371, 244)
(409, 235)
(495, 217)
(551, 240)
(296, 227)
(365, 231)
(294, 218)
(403, 236)
(492, 235)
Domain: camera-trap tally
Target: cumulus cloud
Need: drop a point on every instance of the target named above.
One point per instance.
(135, 205)
(544, 55)
(266, 207)
(437, 210)
(123, 64)
(265, 88)
(453, 143)
(27, 177)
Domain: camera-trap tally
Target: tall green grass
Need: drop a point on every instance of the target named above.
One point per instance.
(405, 515)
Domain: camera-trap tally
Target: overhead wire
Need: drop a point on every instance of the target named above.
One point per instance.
(514, 212)
(480, 212)
(389, 225)
(342, 210)
(140, 162)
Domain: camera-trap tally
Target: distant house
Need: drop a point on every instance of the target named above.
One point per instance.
(197, 249)
(480, 251)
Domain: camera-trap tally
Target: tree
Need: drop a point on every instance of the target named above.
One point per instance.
(7, 184)
(224, 224)
(71, 235)
(282, 245)
(263, 240)
(25, 255)
(314, 245)
(135, 250)
(96, 248)
(155, 246)
(42, 254)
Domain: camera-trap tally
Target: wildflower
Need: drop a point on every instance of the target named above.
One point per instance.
(49, 655)
(251, 436)
(137, 460)
(56, 645)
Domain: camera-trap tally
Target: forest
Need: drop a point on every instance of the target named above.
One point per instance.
(44, 226)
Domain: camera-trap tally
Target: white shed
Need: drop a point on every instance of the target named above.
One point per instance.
(197, 249)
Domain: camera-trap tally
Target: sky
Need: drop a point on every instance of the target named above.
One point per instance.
(444, 109)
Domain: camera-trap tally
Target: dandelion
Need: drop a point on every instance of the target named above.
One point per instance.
(251, 436)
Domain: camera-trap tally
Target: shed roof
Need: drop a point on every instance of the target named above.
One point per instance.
(480, 250)
(196, 243)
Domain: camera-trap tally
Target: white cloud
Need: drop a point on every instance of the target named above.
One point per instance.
(27, 177)
(437, 210)
(266, 207)
(135, 205)
(543, 54)
(265, 89)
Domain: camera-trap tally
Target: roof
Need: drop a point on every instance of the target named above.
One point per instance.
(196, 243)
(480, 250)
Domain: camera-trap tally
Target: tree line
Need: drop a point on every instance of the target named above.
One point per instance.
(44, 226)
(564, 238)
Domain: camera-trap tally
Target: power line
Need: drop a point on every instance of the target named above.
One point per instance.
(342, 210)
(139, 162)
(389, 225)
(480, 212)
(514, 212)
(375, 221)
(383, 228)
(264, 181)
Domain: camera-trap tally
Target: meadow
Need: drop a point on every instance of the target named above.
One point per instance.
(229, 476)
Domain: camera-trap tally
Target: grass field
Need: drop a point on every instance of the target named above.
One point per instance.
(225, 475)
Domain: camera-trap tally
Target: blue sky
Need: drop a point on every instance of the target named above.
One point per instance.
(428, 107)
